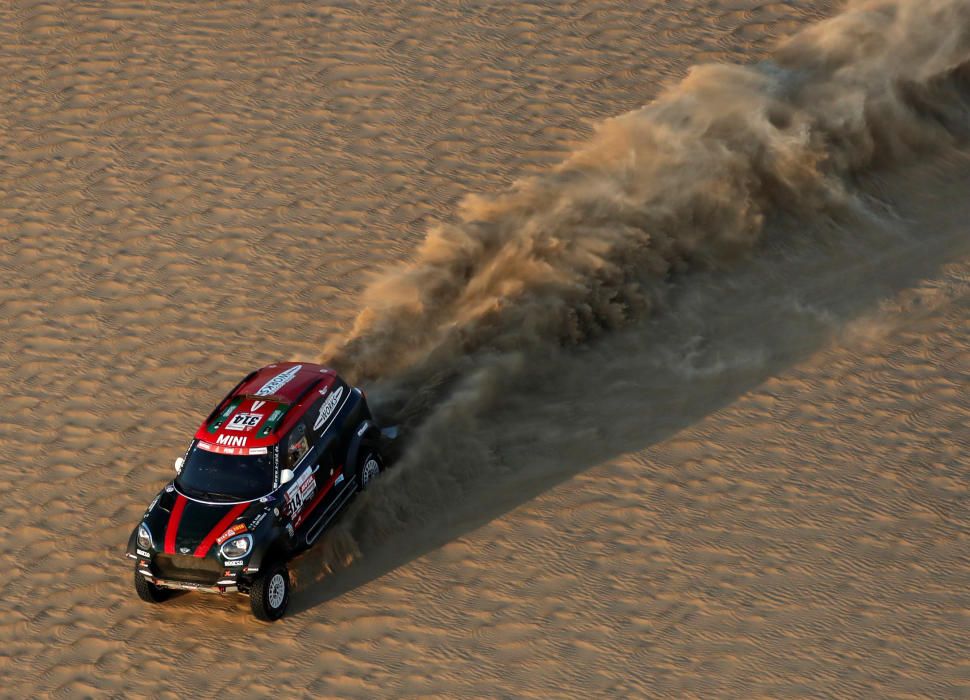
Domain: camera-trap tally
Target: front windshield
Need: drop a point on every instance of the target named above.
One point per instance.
(219, 477)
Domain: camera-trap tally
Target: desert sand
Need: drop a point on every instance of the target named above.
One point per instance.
(733, 467)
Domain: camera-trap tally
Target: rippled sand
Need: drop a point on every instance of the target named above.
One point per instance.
(190, 190)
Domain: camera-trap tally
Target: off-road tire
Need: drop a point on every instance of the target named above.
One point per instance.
(367, 465)
(148, 591)
(270, 593)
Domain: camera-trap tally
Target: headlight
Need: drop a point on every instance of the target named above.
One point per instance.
(237, 547)
(144, 538)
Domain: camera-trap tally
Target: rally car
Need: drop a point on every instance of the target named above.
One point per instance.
(270, 468)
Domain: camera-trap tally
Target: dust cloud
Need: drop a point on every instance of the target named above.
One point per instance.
(686, 184)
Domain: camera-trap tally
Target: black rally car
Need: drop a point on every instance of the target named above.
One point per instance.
(266, 473)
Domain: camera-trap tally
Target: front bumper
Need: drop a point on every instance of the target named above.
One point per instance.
(223, 586)
(221, 580)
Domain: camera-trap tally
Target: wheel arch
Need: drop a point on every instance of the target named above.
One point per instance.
(273, 551)
(132, 540)
(367, 434)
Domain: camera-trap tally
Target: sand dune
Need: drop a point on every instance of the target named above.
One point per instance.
(754, 488)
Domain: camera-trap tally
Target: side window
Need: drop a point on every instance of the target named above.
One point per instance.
(297, 445)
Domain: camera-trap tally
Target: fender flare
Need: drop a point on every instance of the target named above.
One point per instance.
(275, 546)
(367, 432)
(130, 549)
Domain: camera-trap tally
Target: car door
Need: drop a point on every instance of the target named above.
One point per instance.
(302, 494)
(329, 475)
(336, 488)
(319, 420)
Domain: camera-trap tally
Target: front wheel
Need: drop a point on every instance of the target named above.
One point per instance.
(270, 594)
(370, 468)
(148, 591)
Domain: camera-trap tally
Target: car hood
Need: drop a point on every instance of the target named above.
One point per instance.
(181, 525)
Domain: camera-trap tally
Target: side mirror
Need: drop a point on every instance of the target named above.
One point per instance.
(286, 476)
(179, 461)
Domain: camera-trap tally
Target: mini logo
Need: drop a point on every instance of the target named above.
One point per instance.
(232, 440)
(184, 550)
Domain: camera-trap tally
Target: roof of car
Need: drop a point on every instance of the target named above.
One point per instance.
(253, 416)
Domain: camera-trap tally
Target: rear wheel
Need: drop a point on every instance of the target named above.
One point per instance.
(270, 593)
(148, 591)
(370, 467)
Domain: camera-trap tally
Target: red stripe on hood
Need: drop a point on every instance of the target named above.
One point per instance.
(173, 523)
(220, 527)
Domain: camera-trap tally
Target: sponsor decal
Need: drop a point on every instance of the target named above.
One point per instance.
(234, 562)
(220, 527)
(231, 532)
(275, 456)
(226, 412)
(232, 440)
(271, 422)
(257, 520)
(300, 493)
(327, 408)
(279, 381)
(219, 449)
(244, 421)
(257, 405)
(142, 553)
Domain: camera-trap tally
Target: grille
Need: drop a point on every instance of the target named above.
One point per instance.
(185, 567)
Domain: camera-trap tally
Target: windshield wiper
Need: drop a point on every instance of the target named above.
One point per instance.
(215, 495)
(209, 495)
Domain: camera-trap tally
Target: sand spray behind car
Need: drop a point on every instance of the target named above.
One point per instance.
(689, 182)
